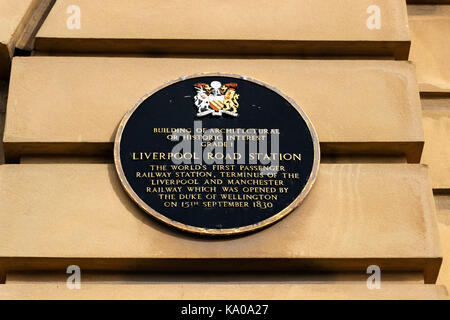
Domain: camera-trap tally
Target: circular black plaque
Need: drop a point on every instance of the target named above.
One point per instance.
(249, 155)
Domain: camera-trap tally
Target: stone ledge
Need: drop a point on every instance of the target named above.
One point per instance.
(436, 152)
(381, 214)
(309, 27)
(73, 105)
(217, 291)
(430, 48)
(444, 233)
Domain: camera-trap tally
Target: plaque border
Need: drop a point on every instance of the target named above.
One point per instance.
(208, 231)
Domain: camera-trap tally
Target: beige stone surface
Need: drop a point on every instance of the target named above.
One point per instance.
(55, 215)
(254, 26)
(74, 104)
(3, 99)
(435, 102)
(436, 153)
(444, 232)
(430, 46)
(443, 214)
(34, 21)
(13, 17)
(442, 201)
(222, 291)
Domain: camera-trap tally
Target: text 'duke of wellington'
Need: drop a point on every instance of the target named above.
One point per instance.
(217, 154)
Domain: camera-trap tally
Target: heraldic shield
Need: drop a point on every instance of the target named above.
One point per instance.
(216, 99)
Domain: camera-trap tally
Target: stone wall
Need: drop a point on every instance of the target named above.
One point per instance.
(382, 196)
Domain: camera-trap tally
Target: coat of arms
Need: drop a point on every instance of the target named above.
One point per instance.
(216, 99)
